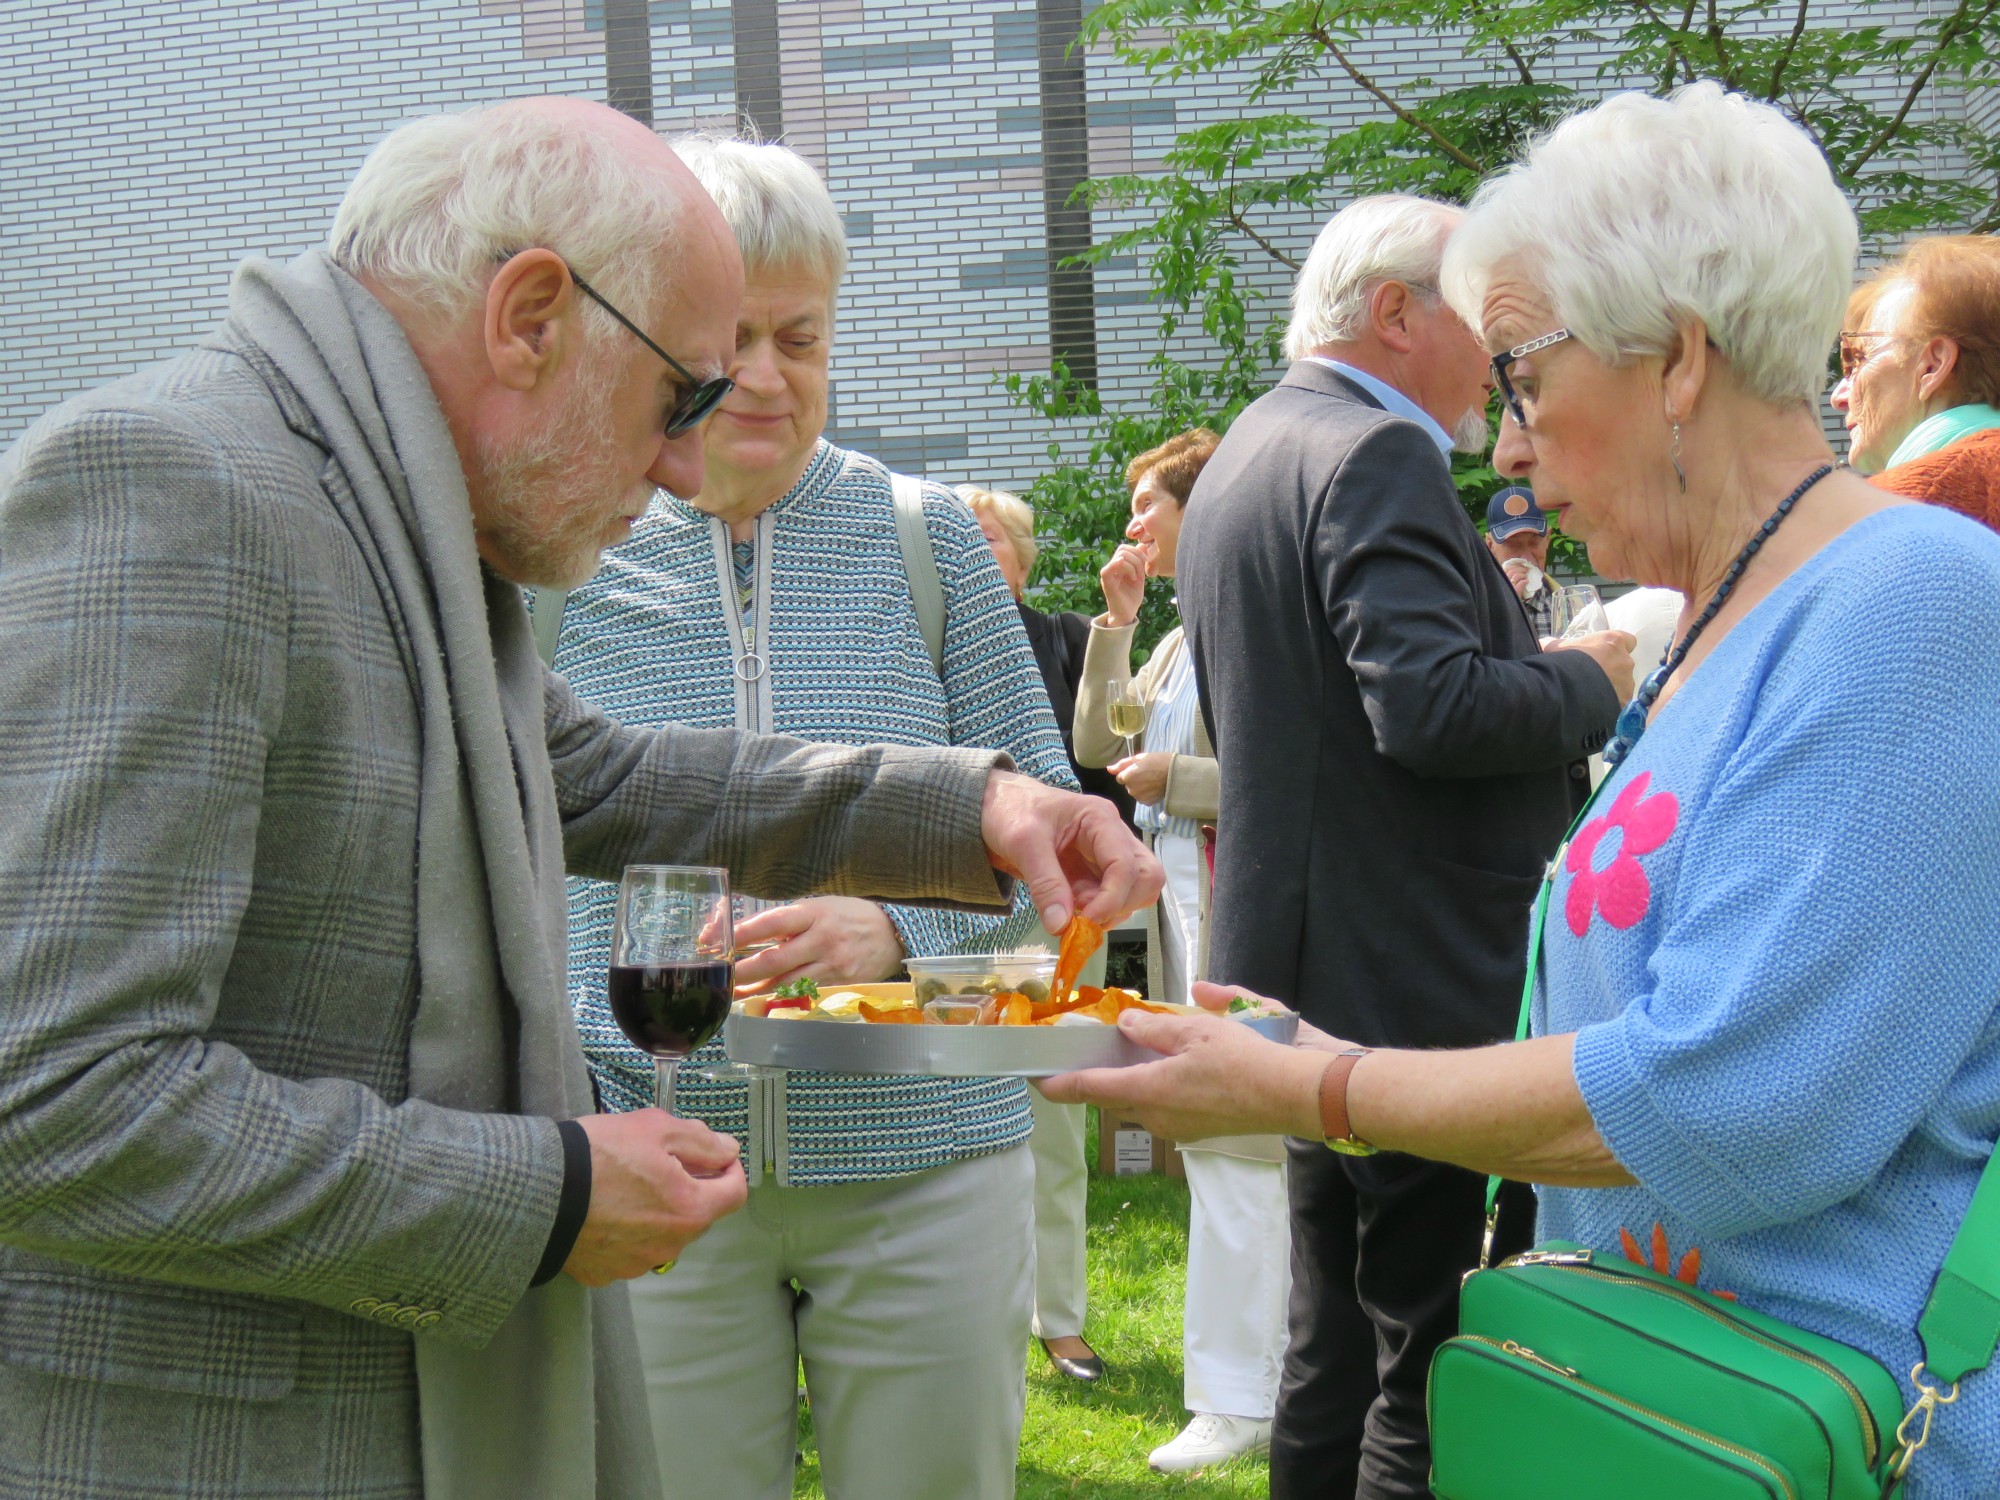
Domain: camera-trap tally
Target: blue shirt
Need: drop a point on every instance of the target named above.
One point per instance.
(1776, 936)
(1393, 401)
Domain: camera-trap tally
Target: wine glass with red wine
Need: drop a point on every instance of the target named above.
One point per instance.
(672, 964)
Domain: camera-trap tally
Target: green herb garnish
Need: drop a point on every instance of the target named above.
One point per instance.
(1240, 1004)
(798, 989)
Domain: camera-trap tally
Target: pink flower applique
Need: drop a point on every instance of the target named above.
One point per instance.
(1620, 891)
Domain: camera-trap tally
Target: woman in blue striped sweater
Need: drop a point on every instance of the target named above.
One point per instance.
(888, 1239)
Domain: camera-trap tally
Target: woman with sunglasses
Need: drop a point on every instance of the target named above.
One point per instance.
(1919, 383)
(1765, 1041)
(888, 1242)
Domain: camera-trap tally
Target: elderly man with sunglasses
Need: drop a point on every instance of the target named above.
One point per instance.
(301, 1188)
(1398, 760)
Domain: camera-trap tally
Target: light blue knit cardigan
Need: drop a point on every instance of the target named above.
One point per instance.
(648, 641)
(1777, 938)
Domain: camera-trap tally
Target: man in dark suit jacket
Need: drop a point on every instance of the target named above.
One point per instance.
(1398, 760)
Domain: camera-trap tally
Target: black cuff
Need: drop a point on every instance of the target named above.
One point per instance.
(574, 1204)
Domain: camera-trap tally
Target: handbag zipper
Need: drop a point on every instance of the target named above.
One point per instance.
(1563, 1372)
(1871, 1438)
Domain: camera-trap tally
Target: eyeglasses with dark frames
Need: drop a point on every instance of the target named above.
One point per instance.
(1501, 362)
(698, 400)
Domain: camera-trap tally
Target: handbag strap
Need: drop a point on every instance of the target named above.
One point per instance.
(1960, 1324)
(920, 565)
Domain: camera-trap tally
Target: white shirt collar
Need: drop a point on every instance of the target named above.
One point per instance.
(1393, 401)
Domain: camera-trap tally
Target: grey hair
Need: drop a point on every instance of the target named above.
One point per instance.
(442, 197)
(1639, 213)
(1389, 237)
(776, 204)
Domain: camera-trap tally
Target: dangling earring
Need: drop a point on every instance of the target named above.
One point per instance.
(1674, 456)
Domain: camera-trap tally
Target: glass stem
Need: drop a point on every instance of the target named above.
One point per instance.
(665, 1072)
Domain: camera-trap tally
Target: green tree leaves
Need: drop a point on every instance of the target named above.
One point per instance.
(1896, 105)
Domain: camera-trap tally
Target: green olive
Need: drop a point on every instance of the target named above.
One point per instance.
(986, 984)
(929, 989)
(1035, 989)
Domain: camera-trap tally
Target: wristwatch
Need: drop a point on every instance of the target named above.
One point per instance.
(1333, 1120)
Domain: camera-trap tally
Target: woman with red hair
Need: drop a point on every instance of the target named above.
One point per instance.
(1920, 374)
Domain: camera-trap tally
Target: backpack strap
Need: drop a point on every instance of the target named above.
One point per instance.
(920, 565)
(547, 617)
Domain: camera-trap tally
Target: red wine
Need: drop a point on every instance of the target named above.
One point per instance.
(670, 1009)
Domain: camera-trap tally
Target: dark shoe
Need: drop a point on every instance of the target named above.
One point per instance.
(1087, 1367)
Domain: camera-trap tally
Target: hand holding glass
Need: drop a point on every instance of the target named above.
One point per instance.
(1577, 611)
(1127, 712)
(672, 964)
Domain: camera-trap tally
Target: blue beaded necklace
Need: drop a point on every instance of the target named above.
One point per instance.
(1632, 718)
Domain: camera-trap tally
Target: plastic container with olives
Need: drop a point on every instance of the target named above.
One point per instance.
(982, 974)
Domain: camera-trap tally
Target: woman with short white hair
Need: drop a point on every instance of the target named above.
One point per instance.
(887, 1243)
(1765, 1050)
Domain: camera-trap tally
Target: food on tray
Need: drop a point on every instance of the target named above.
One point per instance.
(983, 974)
(931, 986)
(1080, 938)
(1012, 1008)
(954, 1010)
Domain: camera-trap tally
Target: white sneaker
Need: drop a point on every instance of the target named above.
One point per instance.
(1211, 1438)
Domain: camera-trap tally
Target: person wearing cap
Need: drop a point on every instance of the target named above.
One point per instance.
(1517, 534)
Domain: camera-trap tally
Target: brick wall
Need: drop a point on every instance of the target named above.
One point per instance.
(151, 147)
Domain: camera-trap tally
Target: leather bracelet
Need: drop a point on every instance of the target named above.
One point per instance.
(1335, 1127)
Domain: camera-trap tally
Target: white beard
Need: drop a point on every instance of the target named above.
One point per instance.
(1468, 433)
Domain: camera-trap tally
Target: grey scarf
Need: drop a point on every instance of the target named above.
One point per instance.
(554, 1406)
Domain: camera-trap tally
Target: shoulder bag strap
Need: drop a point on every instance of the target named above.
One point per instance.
(920, 565)
(548, 621)
(1960, 1324)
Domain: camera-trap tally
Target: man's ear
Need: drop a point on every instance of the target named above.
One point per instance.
(1685, 374)
(1389, 316)
(528, 319)
(1935, 362)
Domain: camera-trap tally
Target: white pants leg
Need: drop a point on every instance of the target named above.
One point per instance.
(1180, 911)
(1239, 1279)
(911, 1316)
(1061, 1181)
(1061, 1184)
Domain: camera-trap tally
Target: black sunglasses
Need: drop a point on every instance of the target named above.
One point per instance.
(701, 397)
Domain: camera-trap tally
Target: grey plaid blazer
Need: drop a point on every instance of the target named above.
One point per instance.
(213, 1181)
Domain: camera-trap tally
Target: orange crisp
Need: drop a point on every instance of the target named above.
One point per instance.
(1081, 938)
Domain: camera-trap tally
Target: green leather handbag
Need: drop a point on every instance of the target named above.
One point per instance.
(1575, 1375)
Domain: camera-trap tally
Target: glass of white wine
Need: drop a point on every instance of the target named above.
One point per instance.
(1127, 713)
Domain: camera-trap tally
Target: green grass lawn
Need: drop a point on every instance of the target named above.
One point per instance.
(1092, 1440)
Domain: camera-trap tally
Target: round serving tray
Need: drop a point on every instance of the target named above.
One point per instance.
(947, 1051)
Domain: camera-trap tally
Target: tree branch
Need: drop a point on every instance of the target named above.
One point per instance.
(1674, 53)
(1960, 20)
(1520, 62)
(1236, 218)
(1721, 51)
(1450, 148)
(1791, 45)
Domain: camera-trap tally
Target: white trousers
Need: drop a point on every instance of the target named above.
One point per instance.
(1061, 1183)
(907, 1301)
(1180, 913)
(1239, 1278)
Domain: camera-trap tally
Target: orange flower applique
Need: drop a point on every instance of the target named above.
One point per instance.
(1688, 1271)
